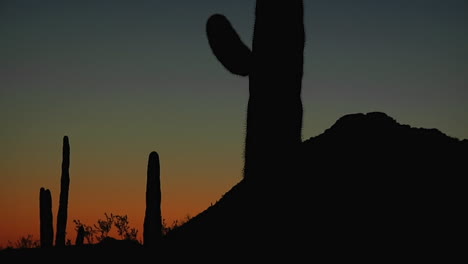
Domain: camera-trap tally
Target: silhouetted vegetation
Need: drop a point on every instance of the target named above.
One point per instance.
(103, 227)
(80, 235)
(101, 231)
(123, 229)
(166, 228)
(152, 228)
(84, 231)
(368, 185)
(275, 68)
(64, 189)
(46, 219)
(23, 242)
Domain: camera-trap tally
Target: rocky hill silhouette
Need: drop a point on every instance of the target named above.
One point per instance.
(366, 184)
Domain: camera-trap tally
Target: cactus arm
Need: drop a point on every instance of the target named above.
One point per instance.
(227, 46)
(275, 69)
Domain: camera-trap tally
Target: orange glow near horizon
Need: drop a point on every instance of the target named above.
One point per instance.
(126, 79)
(92, 195)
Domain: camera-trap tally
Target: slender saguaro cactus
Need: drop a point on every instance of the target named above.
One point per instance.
(46, 220)
(64, 188)
(275, 68)
(152, 229)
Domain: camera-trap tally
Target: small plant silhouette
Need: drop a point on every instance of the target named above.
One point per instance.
(27, 241)
(80, 236)
(101, 230)
(88, 232)
(175, 224)
(123, 229)
(103, 227)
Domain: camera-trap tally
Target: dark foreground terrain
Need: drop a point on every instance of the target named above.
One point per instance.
(368, 186)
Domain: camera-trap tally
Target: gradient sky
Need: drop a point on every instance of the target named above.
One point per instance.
(124, 78)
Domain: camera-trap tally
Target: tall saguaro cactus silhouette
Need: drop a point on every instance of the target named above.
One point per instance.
(152, 229)
(46, 220)
(64, 188)
(275, 68)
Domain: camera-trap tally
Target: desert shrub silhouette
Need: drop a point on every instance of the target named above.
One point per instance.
(103, 227)
(80, 236)
(124, 230)
(84, 231)
(24, 242)
(166, 228)
(100, 232)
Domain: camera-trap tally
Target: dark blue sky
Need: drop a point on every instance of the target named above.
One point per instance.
(124, 78)
(407, 58)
